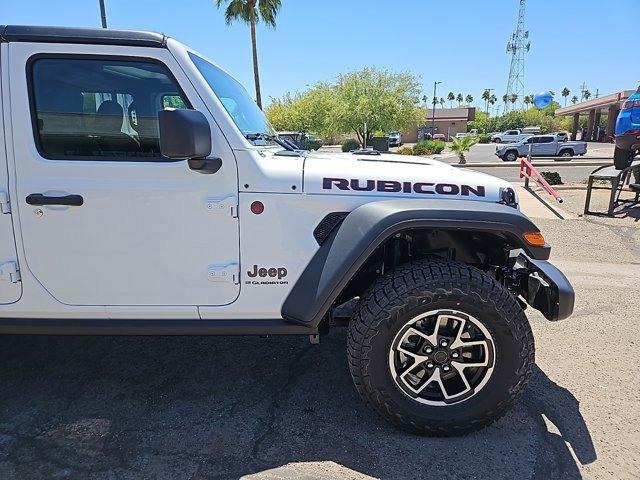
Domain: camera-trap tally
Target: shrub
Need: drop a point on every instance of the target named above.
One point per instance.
(428, 147)
(552, 178)
(422, 148)
(350, 144)
(313, 144)
(484, 138)
(405, 151)
(379, 134)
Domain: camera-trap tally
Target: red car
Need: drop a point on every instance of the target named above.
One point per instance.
(439, 136)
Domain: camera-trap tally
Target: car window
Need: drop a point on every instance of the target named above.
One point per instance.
(100, 109)
(512, 132)
(546, 139)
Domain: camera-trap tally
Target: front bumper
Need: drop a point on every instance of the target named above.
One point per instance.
(545, 288)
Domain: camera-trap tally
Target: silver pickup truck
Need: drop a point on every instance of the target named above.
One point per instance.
(553, 145)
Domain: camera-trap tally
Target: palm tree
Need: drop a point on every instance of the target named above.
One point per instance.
(451, 97)
(574, 99)
(469, 99)
(459, 99)
(251, 12)
(461, 146)
(441, 102)
(492, 100)
(586, 94)
(513, 98)
(485, 96)
(505, 98)
(565, 93)
(527, 100)
(424, 99)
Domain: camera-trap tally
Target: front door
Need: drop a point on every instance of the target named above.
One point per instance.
(105, 219)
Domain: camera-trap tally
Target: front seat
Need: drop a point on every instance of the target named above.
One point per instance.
(111, 138)
(146, 124)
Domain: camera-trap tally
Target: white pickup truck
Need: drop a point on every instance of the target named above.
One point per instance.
(142, 191)
(552, 145)
(510, 136)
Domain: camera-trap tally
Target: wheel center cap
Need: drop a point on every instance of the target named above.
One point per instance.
(440, 357)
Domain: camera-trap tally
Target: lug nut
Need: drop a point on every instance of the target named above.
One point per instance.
(428, 349)
(429, 365)
(443, 343)
(455, 354)
(446, 368)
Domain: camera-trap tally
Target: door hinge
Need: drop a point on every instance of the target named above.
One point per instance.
(5, 206)
(223, 205)
(225, 272)
(9, 271)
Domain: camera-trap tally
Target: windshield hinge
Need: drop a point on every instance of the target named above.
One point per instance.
(5, 206)
(9, 271)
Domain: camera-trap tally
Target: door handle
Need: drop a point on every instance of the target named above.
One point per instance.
(40, 199)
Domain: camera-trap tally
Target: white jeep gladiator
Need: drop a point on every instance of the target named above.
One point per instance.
(143, 192)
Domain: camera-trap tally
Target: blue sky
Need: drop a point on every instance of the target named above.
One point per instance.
(462, 45)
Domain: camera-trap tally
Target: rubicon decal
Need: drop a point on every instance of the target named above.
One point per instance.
(391, 186)
(275, 273)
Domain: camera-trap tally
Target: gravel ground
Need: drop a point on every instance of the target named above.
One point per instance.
(280, 408)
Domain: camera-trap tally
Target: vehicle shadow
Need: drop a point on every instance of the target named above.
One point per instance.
(231, 407)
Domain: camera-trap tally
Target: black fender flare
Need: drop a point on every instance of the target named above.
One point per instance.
(348, 247)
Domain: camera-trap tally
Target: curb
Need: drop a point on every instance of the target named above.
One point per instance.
(535, 164)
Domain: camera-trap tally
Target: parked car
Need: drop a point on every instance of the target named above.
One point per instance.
(439, 136)
(510, 136)
(627, 134)
(472, 133)
(532, 130)
(541, 146)
(395, 139)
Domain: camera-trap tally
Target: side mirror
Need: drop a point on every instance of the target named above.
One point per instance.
(184, 134)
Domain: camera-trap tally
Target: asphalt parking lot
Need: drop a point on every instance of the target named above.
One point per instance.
(280, 408)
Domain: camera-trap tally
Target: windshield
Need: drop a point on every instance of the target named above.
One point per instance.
(235, 99)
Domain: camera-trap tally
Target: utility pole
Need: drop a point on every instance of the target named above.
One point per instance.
(433, 114)
(583, 88)
(103, 14)
(517, 47)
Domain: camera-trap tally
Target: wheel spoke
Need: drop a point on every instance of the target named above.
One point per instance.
(460, 371)
(462, 365)
(458, 340)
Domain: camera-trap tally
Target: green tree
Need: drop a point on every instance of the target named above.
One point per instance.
(505, 99)
(441, 102)
(451, 97)
(513, 98)
(462, 145)
(251, 12)
(586, 94)
(492, 100)
(385, 101)
(574, 99)
(459, 99)
(469, 99)
(565, 93)
(527, 100)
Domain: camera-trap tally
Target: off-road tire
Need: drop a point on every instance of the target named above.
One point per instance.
(566, 153)
(414, 289)
(497, 140)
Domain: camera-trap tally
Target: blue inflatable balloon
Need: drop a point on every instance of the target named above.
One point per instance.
(542, 100)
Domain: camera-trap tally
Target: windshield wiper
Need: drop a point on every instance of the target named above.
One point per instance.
(271, 138)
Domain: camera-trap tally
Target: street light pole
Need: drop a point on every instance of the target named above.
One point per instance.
(103, 14)
(433, 114)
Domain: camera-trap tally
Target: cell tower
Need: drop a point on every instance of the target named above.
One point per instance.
(517, 47)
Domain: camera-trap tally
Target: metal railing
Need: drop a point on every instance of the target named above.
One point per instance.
(529, 173)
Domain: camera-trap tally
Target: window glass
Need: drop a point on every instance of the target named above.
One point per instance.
(546, 139)
(101, 109)
(235, 99)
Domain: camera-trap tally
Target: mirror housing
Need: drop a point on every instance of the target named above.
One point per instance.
(184, 134)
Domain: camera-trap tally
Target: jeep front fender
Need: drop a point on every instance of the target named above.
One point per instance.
(348, 247)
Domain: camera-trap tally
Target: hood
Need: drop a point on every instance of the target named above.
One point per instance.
(390, 175)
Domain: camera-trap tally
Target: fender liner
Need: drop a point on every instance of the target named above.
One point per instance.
(347, 248)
